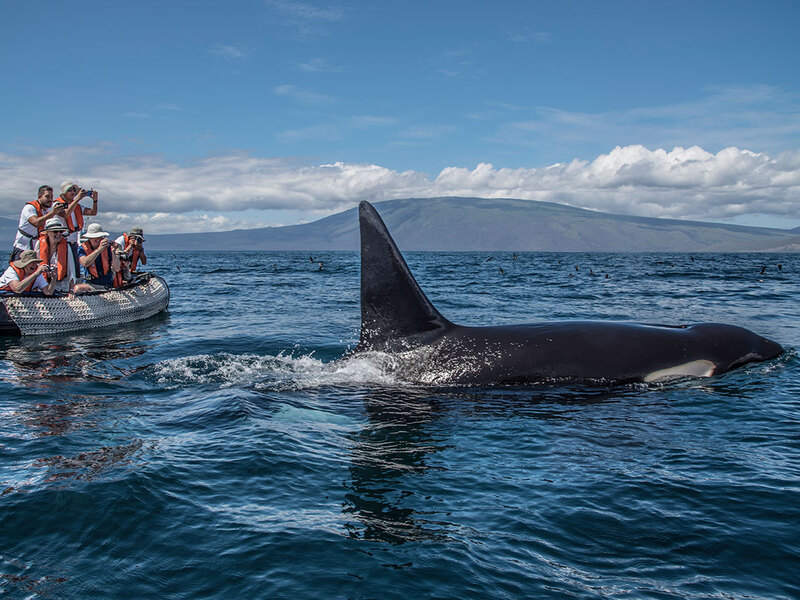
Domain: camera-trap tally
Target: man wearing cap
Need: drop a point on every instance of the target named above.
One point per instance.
(98, 258)
(32, 219)
(52, 248)
(25, 275)
(131, 246)
(71, 195)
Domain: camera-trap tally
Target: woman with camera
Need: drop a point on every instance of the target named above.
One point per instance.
(52, 248)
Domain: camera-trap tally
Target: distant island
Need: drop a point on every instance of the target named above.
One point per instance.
(480, 224)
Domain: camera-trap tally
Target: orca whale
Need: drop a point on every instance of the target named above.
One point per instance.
(422, 346)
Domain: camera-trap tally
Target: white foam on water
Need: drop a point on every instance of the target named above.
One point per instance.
(362, 369)
(279, 372)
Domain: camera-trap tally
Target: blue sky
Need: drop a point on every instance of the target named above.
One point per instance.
(217, 115)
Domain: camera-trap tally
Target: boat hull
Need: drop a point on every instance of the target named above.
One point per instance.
(39, 315)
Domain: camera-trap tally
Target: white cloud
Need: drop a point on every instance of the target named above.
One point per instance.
(302, 95)
(529, 36)
(318, 65)
(172, 223)
(306, 12)
(334, 130)
(304, 20)
(757, 116)
(234, 52)
(455, 64)
(427, 133)
(684, 183)
(370, 121)
(318, 133)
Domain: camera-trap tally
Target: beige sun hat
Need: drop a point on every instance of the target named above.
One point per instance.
(95, 231)
(54, 224)
(25, 258)
(66, 185)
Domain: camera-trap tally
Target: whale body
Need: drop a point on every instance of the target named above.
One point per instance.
(398, 320)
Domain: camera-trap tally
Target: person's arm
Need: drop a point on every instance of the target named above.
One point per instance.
(51, 285)
(20, 284)
(75, 201)
(89, 259)
(115, 265)
(56, 210)
(90, 212)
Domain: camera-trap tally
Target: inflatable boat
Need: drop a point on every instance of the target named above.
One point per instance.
(36, 314)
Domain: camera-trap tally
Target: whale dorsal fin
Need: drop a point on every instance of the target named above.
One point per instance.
(395, 313)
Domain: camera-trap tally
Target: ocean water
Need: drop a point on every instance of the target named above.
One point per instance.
(219, 451)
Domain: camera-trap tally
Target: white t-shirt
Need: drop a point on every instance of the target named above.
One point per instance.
(64, 284)
(22, 242)
(11, 275)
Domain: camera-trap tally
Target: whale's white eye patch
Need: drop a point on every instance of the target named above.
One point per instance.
(695, 368)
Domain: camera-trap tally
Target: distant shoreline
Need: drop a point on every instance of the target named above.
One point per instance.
(454, 224)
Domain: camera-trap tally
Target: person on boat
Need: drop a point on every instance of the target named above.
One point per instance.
(70, 198)
(52, 248)
(99, 260)
(26, 275)
(132, 250)
(32, 219)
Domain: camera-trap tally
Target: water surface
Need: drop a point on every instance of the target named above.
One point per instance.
(218, 451)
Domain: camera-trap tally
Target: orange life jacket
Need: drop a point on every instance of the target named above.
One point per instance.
(75, 220)
(21, 274)
(39, 212)
(62, 248)
(105, 257)
(134, 252)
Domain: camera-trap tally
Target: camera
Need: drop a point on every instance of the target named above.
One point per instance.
(50, 268)
(123, 255)
(137, 238)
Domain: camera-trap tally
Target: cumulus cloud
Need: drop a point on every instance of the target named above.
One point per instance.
(683, 183)
(172, 223)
